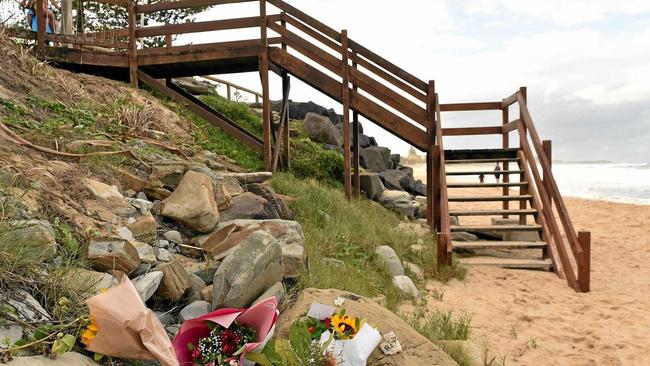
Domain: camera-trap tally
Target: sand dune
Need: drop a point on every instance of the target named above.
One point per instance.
(515, 310)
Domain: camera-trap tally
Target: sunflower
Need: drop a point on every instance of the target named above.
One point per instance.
(345, 326)
(88, 335)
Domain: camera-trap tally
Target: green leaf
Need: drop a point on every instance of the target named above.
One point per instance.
(42, 332)
(259, 358)
(98, 357)
(63, 344)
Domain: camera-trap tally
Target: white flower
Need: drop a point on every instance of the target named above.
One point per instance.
(339, 301)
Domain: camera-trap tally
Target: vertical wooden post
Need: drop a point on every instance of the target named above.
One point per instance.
(168, 41)
(584, 263)
(133, 45)
(547, 145)
(347, 179)
(41, 27)
(286, 152)
(264, 76)
(506, 144)
(229, 91)
(443, 259)
(432, 156)
(523, 190)
(356, 179)
(80, 16)
(66, 21)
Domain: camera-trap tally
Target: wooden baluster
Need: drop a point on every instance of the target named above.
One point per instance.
(505, 140)
(356, 179)
(584, 263)
(229, 92)
(523, 190)
(432, 157)
(66, 17)
(133, 45)
(286, 86)
(345, 71)
(547, 145)
(264, 76)
(41, 27)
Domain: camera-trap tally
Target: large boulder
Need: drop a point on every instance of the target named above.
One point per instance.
(194, 86)
(250, 206)
(276, 202)
(399, 179)
(417, 350)
(321, 129)
(399, 201)
(35, 235)
(192, 203)
(375, 158)
(371, 184)
(253, 267)
(389, 260)
(107, 254)
(299, 110)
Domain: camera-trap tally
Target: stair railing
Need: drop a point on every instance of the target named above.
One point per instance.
(442, 218)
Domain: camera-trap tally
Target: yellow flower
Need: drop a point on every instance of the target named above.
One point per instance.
(345, 325)
(88, 335)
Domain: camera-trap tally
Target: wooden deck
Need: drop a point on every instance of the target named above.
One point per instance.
(292, 44)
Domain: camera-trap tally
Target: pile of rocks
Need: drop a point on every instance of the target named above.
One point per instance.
(384, 180)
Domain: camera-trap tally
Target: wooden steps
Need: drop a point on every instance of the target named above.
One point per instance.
(487, 185)
(477, 154)
(513, 263)
(490, 198)
(471, 228)
(482, 161)
(485, 172)
(492, 212)
(485, 244)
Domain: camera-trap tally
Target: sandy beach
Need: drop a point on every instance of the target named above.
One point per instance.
(533, 318)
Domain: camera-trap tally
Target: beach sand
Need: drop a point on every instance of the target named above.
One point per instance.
(534, 318)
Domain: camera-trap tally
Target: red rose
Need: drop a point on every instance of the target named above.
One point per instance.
(229, 342)
(196, 353)
(311, 329)
(328, 321)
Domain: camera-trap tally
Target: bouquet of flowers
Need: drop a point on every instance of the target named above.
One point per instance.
(225, 336)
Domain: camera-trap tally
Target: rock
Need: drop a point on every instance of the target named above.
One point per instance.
(194, 310)
(398, 179)
(294, 258)
(197, 286)
(67, 359)
(389, 260)
(24, 305)
(111, 253)
(337, 263)
(173, 236)
(226, 237)
(269, 194)
(194, 86)
(416, 349)
(163, 255)
(207, 270)
(191, 251)
(10, 334)
(390, 345)
(253, 267)
(102, 190)
(414, 269)
(249, 178)
(192, 203)
(175, 281)
(88, 283)
(395, 160)
(250, 206)
(148, 284)
(414, 228)
(276, 291)
(165, 318)
(145, 252)
(230, 184)
(144, 229)
(371, 184)
(124, 233)
(162, 244)
(380, 299)
(206, 293)
(375, 158)
(463, 236)
(420, 189)
(398, 201)
(299, 110)
(141, 196)
(320, 129)
(37, 235)
(406, 287)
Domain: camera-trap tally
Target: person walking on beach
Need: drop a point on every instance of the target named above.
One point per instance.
(497, 172)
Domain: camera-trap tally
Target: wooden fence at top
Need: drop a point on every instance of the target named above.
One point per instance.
(381, 91)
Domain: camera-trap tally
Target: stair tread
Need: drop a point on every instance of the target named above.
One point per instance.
(491, 212)
(486, 185)
(485, 172)
(471, 154)
(486, 244)
(482, 161)
(489, 198)
(496, 227)
(515, 263)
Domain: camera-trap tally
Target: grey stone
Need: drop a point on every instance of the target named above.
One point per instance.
(165, 318)
(389, 260)
(269, 194)
(67, 359)
(194, 86)
(299, 110)
(174, 237)
(163, 255)
(145, 252)
(463, 236)
(197, 285)
(399, 201)
(321, 129)
(206, 273)
(371, 184)
(101, 190)
(141, 196)
(37, 235)
(249, 206)
(25, 306)
(148, 284)
(194, 310)
(162, 244)
(88, 283)
(276, 291)
(145, 229)
(10, 334)
(414, 269)
(395, 160)
(175, 281)
(417, 249)
(124, 233)
(253, 267)
(401, 179)
(294, 258)
(249, 178)
(111, 253)
(406, 287)
(375, 158)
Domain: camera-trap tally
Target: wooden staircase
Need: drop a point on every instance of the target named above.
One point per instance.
(520, 254)
(294, 44)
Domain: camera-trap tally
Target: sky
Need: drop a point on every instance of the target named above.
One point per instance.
(586, 64)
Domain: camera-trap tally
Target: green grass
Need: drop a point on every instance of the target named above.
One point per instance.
(457, 352)
(348, 231)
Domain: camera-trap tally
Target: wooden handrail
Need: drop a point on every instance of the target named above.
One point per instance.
(213, 25)
(180, 4)
(445, 222)
(230, 85)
